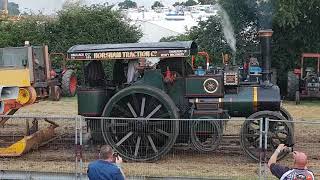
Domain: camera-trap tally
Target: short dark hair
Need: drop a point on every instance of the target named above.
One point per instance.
(106, 152)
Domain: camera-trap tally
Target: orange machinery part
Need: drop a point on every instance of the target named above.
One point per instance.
(11, 104)
(10, 107)
(28, 143)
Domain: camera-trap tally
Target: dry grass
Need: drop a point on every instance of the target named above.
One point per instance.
(307, 110)
(177, 163)
(64, 107)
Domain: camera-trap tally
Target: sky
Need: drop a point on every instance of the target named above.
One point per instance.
(50, 6)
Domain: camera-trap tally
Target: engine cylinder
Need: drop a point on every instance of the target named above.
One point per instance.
(252, 99)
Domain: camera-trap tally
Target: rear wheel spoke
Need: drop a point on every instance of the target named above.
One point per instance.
(137, 146)
(132, 110)
(163, 132)
(124, 138)
(143, 103)
(152, 144)
(154, 111)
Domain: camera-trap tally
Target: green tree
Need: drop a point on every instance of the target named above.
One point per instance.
(190, 3)
(127, 4)
(206, 2)
(157, 4)
(176, 4)
(182, 37)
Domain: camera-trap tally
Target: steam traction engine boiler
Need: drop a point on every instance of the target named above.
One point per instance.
(153, 96)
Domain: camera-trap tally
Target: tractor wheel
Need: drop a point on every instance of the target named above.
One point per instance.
(55, 93)
(297, 97)
(27, 95)
(205, 135)
(69, 83)
(139, 139)
(293, 85)
(278, 133)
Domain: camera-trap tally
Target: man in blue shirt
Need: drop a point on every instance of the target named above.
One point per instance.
(107, 167)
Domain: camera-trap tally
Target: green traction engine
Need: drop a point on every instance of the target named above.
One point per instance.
(153, 84)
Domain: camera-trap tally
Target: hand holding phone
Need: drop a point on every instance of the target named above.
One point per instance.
(118, 160)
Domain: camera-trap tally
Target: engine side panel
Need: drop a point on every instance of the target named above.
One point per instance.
(205, 86)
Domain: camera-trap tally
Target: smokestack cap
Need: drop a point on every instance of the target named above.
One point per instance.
(265, 33)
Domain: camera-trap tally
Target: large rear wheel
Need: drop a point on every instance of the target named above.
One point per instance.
(279, 132)
(140, 138)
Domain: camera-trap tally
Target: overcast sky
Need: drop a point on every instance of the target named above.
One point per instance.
(50, 6)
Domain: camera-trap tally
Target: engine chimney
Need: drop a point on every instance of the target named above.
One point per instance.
(4, 10)
(265, 45)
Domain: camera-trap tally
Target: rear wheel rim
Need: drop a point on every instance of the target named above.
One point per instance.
(140, 139)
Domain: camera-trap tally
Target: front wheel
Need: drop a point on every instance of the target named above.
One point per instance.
(205, 135)
(140, 138)
(279, 132)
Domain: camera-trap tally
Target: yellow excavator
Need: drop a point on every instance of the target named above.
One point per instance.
(26, 76)
(29, 70)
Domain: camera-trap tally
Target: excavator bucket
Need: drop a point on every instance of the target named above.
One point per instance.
(28, 143)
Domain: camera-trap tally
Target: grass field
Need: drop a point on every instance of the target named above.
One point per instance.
(307, 110)
(182, 162)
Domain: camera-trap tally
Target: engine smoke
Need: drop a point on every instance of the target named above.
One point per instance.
(227, 29)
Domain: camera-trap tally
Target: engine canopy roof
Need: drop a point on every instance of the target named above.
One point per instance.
(132, 50)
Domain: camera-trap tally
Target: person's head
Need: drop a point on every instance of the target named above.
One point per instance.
(106, 152)
(300, 159)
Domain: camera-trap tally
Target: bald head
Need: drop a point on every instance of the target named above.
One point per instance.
(300, 159)
(106, 152)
